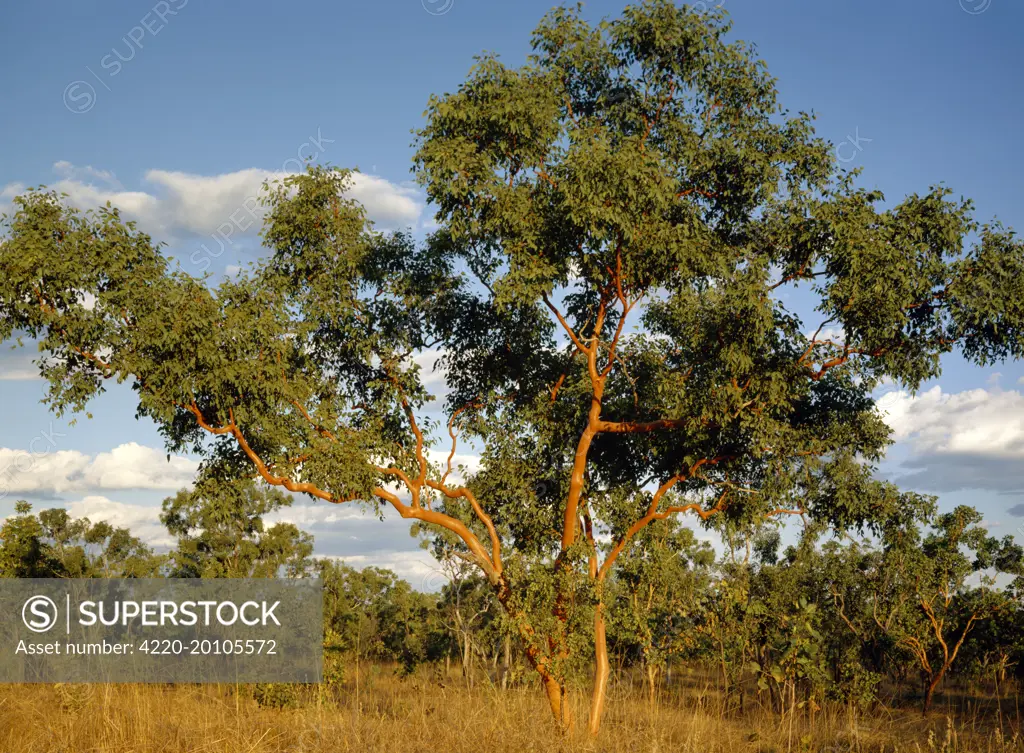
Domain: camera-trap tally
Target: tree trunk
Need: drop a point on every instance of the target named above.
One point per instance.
(506, 663)
(558, 702)
(553, 689)
(930, 692)
(602, 670)
(467, 657)
(358, 709)
(725, 670)
(652, 685)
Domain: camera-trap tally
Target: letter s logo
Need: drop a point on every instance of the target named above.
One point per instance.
(39, 614)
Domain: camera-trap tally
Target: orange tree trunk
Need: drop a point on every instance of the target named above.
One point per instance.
(558, 702)
(602, 670)
(930, 692)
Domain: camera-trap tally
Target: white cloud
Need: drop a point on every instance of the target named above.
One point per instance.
(959, 441)
(132, 466)
(417, 567)
(835, 334)
(136, 205)
(432, 373)
(989, 422)
(179, 205)
(7, 194)
(142, 520)
(311, 515)
(471, 463)
(388, 204)
(128, 466)
(86, 174)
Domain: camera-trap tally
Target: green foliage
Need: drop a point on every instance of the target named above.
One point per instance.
(374, 614)
(275, 695)
(334, 662)
(655, 595)
(854, 685)
(645, 165)
(55, 545)
(220, 532)
(23, 554)
(791, 655)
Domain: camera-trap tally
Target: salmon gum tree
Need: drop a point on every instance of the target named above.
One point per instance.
(620, 220)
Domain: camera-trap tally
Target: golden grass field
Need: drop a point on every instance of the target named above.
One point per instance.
(426, 714)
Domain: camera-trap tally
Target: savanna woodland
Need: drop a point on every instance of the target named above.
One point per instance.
(618, 224)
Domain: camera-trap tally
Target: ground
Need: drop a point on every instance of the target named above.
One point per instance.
(432, 713)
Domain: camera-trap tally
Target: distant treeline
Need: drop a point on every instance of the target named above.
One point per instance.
(919, 602)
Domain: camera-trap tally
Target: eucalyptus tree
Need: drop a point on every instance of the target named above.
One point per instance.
(53, 544)
(995, 647)
(632, 205)
(620, 219)
(913, 600)
(114, 552)
(375, 614)
(23, 550)
(221, 533)
(805, 638)
(655, 595)
(942, 606)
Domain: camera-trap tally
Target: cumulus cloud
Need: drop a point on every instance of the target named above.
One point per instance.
(142, 520)
(132, 466)
(87, 174)
(341, 533)
(309, 516)
(128, 466)
(358, 536)
(417, 567)
(958, 441)
(7, 194)
(835, 334)
(352, 534)
(468, 462)
(388, 204)
(432, 373)
(984, 422)
(178, 205)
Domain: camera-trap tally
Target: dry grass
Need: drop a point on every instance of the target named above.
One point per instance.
(422, 714)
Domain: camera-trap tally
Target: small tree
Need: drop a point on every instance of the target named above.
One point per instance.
(373, 613)
(911, 598)
(464, 604)
(789, 646)
(942, 608)
(66, 535)
(23, 553)
(655, 593)
(220, 532)
(119, 554)
(55, 545)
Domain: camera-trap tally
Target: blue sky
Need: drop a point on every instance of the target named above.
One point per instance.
(174, 110)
